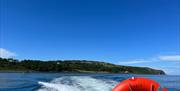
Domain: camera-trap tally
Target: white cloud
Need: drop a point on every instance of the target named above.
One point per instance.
(155, 59)
(134, 62)
(6, 54)
(170, 58)
(157, 62)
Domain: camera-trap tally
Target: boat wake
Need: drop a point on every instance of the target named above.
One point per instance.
(77, 83)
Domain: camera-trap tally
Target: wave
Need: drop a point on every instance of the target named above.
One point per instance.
(77, 83)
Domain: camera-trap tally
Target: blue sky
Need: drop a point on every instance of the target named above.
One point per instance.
(125, 32)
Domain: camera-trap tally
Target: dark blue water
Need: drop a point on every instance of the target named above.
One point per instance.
(74, 81)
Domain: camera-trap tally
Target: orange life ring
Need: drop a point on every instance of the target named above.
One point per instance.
(138, 84)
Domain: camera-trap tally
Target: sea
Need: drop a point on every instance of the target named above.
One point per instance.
(75, 81)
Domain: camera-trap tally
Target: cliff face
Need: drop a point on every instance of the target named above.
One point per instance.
(72, 66)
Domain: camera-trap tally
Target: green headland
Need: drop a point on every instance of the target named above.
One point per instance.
(82, 66)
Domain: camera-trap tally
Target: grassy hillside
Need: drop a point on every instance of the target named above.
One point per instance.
(71, 66)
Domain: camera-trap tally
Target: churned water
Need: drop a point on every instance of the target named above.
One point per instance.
(75, 81)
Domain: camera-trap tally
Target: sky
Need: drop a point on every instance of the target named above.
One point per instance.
(142, 33)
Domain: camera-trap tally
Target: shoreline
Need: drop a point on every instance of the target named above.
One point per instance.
(75, 66)
(67, 72)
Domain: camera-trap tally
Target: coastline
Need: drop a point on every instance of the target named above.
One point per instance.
(77, 66)
(67, 72)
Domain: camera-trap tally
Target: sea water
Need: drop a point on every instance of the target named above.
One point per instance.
(75, 81)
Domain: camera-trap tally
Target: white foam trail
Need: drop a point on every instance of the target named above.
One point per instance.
(77, 83)
(56, 87)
